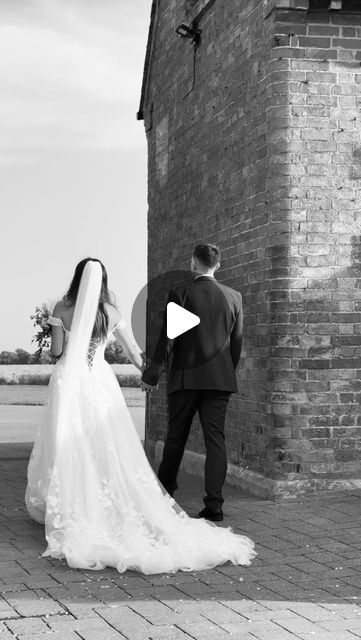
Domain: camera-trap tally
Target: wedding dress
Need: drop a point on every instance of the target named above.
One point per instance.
(89, 479)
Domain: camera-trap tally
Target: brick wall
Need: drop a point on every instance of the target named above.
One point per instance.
(259, 152)
(317, 342)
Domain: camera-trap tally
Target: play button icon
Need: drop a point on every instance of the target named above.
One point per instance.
(179, 320)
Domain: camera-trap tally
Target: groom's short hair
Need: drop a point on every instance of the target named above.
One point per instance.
(207, 254)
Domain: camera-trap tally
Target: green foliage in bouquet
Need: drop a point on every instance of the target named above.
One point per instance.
(43, 335)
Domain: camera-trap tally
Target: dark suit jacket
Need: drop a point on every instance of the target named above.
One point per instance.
(206, 356)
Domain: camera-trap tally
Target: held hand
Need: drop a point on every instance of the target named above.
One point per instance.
(144, 385)
(148, 387)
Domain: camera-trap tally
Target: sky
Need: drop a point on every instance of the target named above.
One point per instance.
(73, 157)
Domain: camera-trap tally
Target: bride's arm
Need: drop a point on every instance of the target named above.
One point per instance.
(57, 331)
(127, 342)
(130, 347)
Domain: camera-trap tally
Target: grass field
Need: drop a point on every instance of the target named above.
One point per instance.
(36, 395)
(39, 374)
(26, 384)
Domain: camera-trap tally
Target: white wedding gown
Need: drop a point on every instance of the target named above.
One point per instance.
(97, 494)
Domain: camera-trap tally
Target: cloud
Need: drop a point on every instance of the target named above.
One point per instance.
(70, 73)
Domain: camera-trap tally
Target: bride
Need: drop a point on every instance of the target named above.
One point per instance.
(89, 479)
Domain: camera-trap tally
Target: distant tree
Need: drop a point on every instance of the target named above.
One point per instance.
(36, 357)
(114, 354)
(19, 356)
(46, 357)
(41, 357)
(22, 357)
(6, 357)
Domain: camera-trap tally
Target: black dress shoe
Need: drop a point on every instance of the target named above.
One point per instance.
(214, 516)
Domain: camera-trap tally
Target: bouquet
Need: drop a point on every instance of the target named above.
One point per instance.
(43, 335)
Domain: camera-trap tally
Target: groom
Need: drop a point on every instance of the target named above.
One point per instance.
(201, 374)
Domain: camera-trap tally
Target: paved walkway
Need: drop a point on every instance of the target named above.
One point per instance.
(304, 584)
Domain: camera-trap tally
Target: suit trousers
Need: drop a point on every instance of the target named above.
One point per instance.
(211, 406)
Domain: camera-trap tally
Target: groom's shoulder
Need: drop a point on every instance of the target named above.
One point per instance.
(180, 290)
(230, 293)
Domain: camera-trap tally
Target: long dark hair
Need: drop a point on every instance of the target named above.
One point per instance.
(101, 324)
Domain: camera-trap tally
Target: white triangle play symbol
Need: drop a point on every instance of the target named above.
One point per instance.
(179, 320)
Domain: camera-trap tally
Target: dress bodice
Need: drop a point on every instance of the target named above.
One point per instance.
(96, 347)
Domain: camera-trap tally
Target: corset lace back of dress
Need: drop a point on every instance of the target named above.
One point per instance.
(92, 350)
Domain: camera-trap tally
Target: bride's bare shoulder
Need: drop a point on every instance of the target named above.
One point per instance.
(60, 308)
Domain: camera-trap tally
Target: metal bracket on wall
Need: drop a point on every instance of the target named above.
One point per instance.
(192, 32)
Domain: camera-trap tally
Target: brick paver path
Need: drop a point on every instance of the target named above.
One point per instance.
(305, 583)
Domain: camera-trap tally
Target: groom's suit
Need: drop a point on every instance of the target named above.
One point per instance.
(201, 377)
